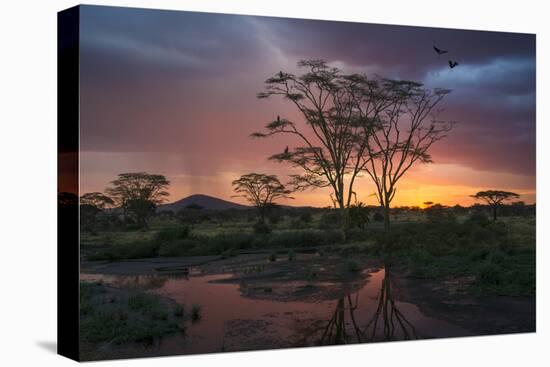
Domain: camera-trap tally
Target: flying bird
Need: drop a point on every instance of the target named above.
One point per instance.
(440, 51)
(452, 64)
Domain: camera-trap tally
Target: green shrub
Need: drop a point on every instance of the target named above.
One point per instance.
(297, 223)
(86, 292)
(483, 235)
(179, 310)
(420, 256)
(478, 217)
(489, 274)
(479, 254)
(261, 228)
(223, 242)
(196, 312)
(378, 217)
(311, 273)
(306, 217)
(179, 247)
(114, 327)
(133, 227)
(228, 253)
(358, 234)
(330, 219)
(139, 318)
(135, 250)
(274, 217)
(291, 255)
(167, 235)
(305, 238)
(353, 267)
(142, 301)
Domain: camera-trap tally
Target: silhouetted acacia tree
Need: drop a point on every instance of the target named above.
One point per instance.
(91, 205)
(97, 200)
(138, 194)
(404, 133)
(494, 198)
(261, 190)
(340, 112)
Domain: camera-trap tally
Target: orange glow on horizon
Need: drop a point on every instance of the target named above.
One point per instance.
(446, 184)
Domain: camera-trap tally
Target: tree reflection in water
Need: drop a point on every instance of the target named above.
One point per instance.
(387, 322)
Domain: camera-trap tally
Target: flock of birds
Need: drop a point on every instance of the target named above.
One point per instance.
(452, 64)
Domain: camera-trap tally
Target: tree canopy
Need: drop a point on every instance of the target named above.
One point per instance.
(96, 200)
(494, 198)
(260, 190)
(353, 124)
(138, 194)
(339, 112)
(404, 133)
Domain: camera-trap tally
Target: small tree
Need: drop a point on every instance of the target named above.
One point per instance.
(91, 205)
(192, 214)
(495, 198)
(260, 190)
(138, 194)
(359, 215)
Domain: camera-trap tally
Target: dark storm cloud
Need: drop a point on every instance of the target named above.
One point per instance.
(182, 82)
(493, 88)
(160, 40)
(403, 50)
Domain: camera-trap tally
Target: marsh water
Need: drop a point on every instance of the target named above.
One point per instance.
(233, 319)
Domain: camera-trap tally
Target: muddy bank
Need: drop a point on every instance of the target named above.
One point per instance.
(148, 266)
(484, 315)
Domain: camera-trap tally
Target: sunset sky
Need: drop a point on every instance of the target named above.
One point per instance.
(174, 93)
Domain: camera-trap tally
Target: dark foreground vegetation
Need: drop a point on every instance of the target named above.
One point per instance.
(127, 315)
(495, 257)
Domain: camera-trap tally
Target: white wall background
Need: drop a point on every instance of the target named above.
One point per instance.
(28, 182)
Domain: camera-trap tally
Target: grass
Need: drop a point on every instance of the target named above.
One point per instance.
(499, 255)
(179, 310)
(173, 242)
(125, 317)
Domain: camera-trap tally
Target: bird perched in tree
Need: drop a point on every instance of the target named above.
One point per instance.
(452, 64)
(281, 74)
(286, 150)
(440, 51)
(278, 118)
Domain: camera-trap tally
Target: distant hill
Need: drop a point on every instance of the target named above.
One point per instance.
(205, 201)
